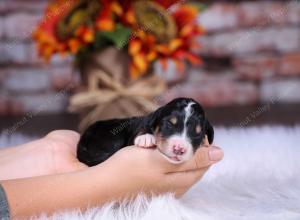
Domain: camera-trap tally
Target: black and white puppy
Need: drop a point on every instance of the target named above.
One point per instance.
(176, 129)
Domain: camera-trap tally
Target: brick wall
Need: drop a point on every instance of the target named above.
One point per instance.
(252, 54)
(27, 84)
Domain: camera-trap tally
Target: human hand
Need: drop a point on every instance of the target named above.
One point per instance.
(62, 147)
(133, 170)
(55, 153)
(127, 173)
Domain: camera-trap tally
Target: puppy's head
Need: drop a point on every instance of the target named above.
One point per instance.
(179, 128)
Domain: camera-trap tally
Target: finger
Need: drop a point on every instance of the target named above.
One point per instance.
(204, 157)
(185, 180)
(195, 175)
(161, 161)
(68, 137)
(81, 166)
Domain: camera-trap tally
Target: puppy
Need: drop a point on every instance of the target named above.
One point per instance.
(176, 129)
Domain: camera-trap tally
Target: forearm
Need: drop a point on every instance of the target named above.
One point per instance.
(17, 162)
(48, 194)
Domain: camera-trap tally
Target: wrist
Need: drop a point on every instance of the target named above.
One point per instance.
(107, 182)
(27, 160)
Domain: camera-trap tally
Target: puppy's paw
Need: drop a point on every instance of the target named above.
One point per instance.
(145, 140)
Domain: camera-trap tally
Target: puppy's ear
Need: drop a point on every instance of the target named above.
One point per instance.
(209, 131)
(154, 118)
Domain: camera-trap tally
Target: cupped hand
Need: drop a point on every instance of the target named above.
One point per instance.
(55, 153)
(133, 170)
(62, 146)
(137, 169)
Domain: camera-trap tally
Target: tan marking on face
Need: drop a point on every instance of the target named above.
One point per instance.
(173, 120)
(161, 142)
(198, 129)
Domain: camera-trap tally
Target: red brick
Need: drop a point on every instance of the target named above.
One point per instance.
(20, 25)
(201, 76)
(64, 77)
(41, 103)
(254, 40)
(4, 107)
(280, 91)
(16, 108)
(17, 5)
(32, 55)
(13, 52)
(224, 16)
(256, 67)
(219, 16)
(290, 64)
(293, 8)
(2, 76)
(262, 13)
(1, 27)
(29, 80)
(218, 92)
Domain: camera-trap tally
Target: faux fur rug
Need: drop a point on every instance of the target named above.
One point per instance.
(259, 179)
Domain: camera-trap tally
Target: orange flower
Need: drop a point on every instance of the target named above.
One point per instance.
(45, 34)
(134, 47)
(140, 62)
(105, 20)
(184, 15)
(174, 44)
(74, 45)
(168, 3)
(69, 25)
(145, 48)
(85, 33)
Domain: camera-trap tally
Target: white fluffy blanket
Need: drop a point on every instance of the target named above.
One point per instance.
(259, 179)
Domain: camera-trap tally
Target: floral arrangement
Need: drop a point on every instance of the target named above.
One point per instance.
(146, 30)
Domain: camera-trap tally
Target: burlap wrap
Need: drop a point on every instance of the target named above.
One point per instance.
(109, 95)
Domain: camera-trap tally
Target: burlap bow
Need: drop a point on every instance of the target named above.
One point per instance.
(107, 97)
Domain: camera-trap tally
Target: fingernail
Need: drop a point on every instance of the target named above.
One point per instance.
(215, 154)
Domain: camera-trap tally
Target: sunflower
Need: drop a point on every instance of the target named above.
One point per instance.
(170, 36)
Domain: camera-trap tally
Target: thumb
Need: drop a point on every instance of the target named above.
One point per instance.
(203, 158)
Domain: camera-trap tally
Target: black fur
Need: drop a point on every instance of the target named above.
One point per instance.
(103, 138)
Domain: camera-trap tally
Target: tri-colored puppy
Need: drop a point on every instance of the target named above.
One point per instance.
(176, 130)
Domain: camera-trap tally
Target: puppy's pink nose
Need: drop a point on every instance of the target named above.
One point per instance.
(178, 150)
